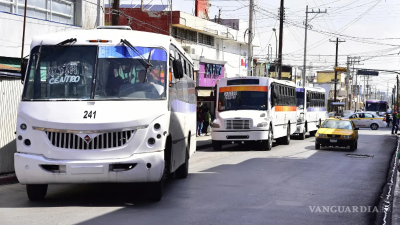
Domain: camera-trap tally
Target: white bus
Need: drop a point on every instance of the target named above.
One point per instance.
(311, 110)
(103, 106)
(252, 109)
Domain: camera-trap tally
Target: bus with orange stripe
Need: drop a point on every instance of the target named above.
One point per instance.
(254, 109)
(311, 110)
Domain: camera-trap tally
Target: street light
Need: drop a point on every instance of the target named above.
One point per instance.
(276, 50)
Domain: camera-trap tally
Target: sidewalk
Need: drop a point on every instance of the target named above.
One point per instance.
(396, 197)
(203, 142)
(8, 178)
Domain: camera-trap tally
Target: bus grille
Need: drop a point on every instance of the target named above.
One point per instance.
(102, 141)
(237, 124)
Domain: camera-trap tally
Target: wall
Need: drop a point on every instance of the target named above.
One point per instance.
(10, 94)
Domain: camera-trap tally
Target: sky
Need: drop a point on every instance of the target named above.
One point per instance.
(368, 27)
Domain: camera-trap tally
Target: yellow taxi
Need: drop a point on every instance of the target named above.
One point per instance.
(337, 133)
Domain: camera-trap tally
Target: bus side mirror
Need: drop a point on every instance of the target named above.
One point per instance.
(178, 70)
(24, 65)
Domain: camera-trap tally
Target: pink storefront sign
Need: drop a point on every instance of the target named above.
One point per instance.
(210, 73)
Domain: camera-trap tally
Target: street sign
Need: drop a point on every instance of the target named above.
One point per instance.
(368, 72)
(268, 66)
(335, 80)
(341, 69)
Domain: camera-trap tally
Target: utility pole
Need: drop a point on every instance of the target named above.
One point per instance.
(219, 16)
(23, 35)
(356, 61)
(109, 12)
(141, 5)
(281, 16)
(305, 40)
(336, 64)
(348, 86)
(397, 92)
(115, 16)
(250, 53)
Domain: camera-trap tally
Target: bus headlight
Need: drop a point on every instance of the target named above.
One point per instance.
(215, 125)
(263, 124)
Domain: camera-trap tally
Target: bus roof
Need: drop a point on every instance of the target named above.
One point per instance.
(114, 36)
(317, 89)
(263, 80)
(376, 101)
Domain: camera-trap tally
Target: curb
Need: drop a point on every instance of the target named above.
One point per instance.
(9, 178)
(203, 146)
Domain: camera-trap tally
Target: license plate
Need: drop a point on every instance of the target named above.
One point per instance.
(333, 141)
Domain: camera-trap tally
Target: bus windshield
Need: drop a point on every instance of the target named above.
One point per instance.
(95, 72)
(300, 100)
(242, 100)
(376, 107)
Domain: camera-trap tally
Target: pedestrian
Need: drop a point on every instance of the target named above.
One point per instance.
(395, 123)
(387, 119)
(207, 121)
(199, 120)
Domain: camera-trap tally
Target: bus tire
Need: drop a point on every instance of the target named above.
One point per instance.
(303, 134)
(266, 145)
(156, 189)
(183, 170)
(217, 145)
(36, 192)
(286, 140)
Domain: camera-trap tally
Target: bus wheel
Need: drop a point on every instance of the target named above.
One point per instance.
(156, 189)
(36, 192)
(266, 145)
(217, 145)
(303, 135)
(286, 140)
(183, 170)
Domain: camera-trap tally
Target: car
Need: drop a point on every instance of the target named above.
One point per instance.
(367, 120)
(337, 133)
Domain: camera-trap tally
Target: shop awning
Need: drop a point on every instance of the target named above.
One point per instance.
(11, 63)
(204, 93)
(212, 61)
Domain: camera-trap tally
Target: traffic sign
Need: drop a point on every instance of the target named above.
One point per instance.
(368, 72)
(268, 66)
(341, 69)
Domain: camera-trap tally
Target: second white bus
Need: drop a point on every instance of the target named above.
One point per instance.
(311, 110)
(254, 109)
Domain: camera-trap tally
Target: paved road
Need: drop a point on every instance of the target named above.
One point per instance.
(231, 186)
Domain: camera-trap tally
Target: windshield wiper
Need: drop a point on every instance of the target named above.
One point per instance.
(145, 62)
(142, 60)
(71, 40)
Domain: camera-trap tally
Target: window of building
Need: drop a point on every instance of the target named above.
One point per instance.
(184, 34)
(62, 11)
(206, 39)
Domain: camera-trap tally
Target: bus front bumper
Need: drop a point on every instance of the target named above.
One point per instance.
(36, 169)
(239, 135)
